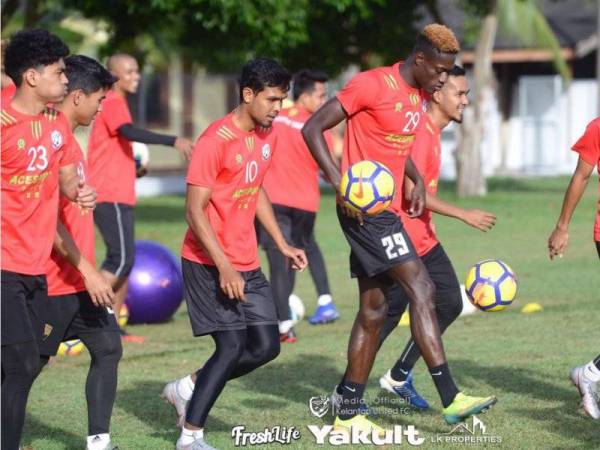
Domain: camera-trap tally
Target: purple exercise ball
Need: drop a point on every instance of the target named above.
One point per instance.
(155, 284)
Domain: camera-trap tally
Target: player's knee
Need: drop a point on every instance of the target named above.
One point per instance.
(424, 292)
(269, 353)
(373, 314)
(108, 351)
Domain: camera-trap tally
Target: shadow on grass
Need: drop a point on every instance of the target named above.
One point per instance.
(35, 429)
(308, 375)
(143, 401)
(565, 420)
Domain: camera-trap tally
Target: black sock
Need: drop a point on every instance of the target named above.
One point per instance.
(444, 383)
(405, 364)
(352, 394)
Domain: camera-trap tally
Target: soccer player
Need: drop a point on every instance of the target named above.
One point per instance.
(113, 172)
(8, 87)
(227, 295)
(292, 184)
(35, 162)
(383, 108)
(584, 377)
(446, 105)
(79, 297)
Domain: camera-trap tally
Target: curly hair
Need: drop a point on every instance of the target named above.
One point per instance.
(30, 49)
(263, 72)
(437, 37)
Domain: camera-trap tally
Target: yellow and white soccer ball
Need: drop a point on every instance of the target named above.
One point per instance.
(368, 187)
(73, 347)
(491, 285)
(123, 315)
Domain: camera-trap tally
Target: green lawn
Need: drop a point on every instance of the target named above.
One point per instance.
(523, 359)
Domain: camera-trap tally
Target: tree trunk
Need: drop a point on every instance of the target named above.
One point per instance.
(469, 171)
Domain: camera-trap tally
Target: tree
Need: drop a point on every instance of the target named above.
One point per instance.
(523, 20)
(221, 34)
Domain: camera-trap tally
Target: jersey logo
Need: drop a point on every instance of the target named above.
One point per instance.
(266, 151)
(6, 118)
(238, 158)
(250, 143)
(398, 107)
(57, 139)
(391, 82)
(226, 133)
(21, 144)
(36, 129)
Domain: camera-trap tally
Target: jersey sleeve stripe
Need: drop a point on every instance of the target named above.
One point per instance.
(223, 135)
(6, 118)
(228, 132)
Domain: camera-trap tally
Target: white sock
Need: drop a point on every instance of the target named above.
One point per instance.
(97, 441)
(185, 387)
(189, 436)
(324, 299)
(591, 372)
(285, 325)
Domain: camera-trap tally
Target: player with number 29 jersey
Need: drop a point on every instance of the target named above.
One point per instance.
(384, 114)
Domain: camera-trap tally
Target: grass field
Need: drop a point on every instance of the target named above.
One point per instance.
(523, 359)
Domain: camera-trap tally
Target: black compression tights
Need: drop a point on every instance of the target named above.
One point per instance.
(448, 307)
(19, 368)
(282, 276)
(101, 384)
(237, 353)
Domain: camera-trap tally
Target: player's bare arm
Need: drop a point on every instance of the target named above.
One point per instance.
(265, 215)
(417, 196)
(326, 117)
(95, 284)
(197, 199)
(559, 238)
(477, 218)
(72, 187)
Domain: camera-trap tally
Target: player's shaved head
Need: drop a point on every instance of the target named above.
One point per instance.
(115, 62)
(125, 67)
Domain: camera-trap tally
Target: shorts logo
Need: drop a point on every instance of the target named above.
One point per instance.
(57, 139)
(266, 151)
(47, 330)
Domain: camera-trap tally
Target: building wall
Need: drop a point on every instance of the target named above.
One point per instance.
(546, 119)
